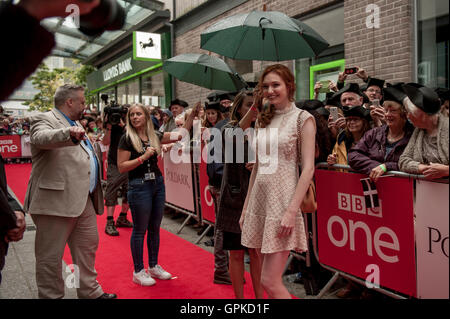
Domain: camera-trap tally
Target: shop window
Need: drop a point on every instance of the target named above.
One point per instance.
(153, 90)
(330, 25)
(128, 92)
(432, 43)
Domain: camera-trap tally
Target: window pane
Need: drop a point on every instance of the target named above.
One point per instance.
(128, 92)
(153, 90)
(432, 42)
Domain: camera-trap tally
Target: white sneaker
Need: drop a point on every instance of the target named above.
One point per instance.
(143, 278)
(159, 272)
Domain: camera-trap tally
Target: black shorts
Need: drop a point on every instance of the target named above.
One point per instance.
(232, 241)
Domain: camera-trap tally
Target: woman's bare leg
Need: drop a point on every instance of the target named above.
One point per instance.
(237, 272)
(255, 272)
(271, 275)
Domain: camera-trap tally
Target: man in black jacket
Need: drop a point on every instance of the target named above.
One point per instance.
(12, 218)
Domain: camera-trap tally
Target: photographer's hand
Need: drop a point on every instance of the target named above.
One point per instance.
(41, 9)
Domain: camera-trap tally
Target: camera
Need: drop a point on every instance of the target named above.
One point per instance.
(108, 15)
(114, 113)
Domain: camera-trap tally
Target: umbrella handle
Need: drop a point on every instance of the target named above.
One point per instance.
(263, 30)
(263, 18)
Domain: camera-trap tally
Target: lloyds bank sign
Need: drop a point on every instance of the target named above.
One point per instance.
(117, 70)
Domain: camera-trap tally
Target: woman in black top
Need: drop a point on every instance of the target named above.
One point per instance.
(138, 154)
(236, 176)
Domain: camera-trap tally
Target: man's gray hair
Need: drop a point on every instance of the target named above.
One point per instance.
(65, 92)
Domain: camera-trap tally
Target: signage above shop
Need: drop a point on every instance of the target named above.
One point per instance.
(119, 69)
(146, 46)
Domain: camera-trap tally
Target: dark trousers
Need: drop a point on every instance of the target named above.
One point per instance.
(146, 200)
(220, 255)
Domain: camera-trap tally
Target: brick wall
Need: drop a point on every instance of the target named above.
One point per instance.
(385, 52)
(190, 41)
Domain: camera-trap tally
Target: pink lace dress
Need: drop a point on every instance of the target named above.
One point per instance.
(276, 179)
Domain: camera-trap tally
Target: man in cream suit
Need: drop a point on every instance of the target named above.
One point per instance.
(64, 195)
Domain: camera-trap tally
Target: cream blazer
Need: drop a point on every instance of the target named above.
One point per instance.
(59, 181)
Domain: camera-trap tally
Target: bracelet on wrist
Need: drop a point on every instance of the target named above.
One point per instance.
(383, 167)
(140, 160)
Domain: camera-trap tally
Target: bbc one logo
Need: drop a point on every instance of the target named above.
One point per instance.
(8, 146)
(355, 205)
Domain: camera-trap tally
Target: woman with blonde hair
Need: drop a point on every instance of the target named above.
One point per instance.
(137, 154)
(271, 219)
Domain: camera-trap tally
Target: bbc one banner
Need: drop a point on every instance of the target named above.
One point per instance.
(432, 204)
(373, 244)
(10, 146)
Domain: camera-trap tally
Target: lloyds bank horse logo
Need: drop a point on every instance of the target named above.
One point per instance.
(149, 44)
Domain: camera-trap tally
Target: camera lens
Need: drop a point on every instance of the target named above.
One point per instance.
(108, 15)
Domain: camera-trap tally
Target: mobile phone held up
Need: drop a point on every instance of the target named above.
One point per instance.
(350, 70)
(376, 103)
(334, 113)
(324, 88)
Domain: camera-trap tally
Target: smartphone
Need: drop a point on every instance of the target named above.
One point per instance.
(376, 102)
(325, 88)
(350, 70)
(334, 113)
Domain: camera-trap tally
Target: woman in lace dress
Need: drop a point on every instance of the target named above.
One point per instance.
(271, 219)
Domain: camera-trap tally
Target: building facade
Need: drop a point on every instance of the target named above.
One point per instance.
(398, 41)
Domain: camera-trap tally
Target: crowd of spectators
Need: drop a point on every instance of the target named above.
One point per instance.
(373, 128)
(10, 125)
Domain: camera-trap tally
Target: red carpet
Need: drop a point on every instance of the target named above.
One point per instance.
(17, 176)
(191, 265)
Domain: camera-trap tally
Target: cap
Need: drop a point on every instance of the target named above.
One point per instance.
(365, 98)
(331, 100)
(226, 96)
(214, 95)
(444, 94)
(394, 92)
(359, 111)
(215, 105)
(179, 102)
(423, 97)
(251, 84)
(323, 111)
(349, 87)
(167, 112)
(376, 82)
(312, 105)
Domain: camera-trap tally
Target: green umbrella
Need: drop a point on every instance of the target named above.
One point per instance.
(204, 70)
(264, 36)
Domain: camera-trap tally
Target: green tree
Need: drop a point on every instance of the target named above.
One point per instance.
(81, 79)
(46, 81)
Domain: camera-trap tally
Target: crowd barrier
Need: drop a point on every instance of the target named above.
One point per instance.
(399, 249)
(15, 146)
